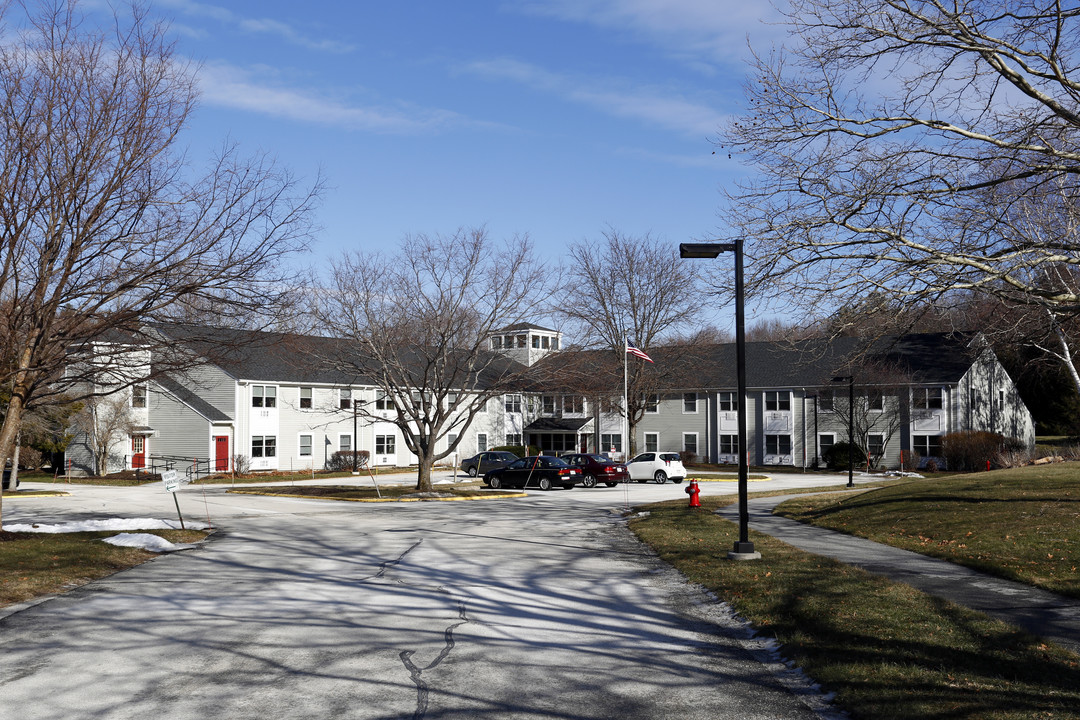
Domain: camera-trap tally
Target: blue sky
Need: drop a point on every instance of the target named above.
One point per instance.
(556, 118)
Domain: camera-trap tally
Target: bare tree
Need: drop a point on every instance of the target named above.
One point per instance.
(875, 412)
(626, 287)
(105, 422)
(420, 321)
(104, 227)
(914, 149)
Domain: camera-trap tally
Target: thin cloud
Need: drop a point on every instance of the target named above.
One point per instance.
(649, 105)
(695, 31)
(256, 25)
(229, 86)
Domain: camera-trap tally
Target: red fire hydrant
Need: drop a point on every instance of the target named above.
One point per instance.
(693, 491)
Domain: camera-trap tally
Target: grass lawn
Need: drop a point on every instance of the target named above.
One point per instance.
(36, 564)
(1022, 524)
(463, 491)
(889, 652)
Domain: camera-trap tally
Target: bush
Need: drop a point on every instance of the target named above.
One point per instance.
(241, 464)
(519, 450)
(29, 458)
(687, 457)
(836, 456)
(343, 460)
(911, 460)
(971, 449)
(931, 466)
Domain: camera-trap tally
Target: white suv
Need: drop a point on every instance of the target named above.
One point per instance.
(658, 466)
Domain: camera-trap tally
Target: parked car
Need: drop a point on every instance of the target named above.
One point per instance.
(658, 466)
(597, 469)
(481, 463)
(542, 471)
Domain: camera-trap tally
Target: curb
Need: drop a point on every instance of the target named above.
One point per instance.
(381, 500)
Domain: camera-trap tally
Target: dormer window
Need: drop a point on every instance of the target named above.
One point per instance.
(536, 342)
(496, 342)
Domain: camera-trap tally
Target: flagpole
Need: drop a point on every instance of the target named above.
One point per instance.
(625, 402)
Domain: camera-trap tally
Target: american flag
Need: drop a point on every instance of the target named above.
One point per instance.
(635, 352)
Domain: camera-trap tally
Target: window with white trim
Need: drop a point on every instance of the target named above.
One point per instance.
(384, 444)
(513, 403)
(729, 444)
(875, 400)
(777, 400)
(513, 438)
(777, 444)
(305, 446)
(573, 404)
(344, 398)
(689, 403)
(264, 446)
(305, 398)
(825, 441)
(138, 396)
(481, 442)
(383, 401)
(689, 442)
(927, 445)
(926, 398)
(344, 442)
(652, 442)
(547, 402)
(875, 445)
(609, 441)
(729, 401)
(263, 396)
(652, 404)
(826, 400)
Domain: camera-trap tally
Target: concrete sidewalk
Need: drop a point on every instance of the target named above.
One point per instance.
(1039, 612)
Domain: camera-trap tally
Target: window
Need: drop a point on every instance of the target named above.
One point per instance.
(451, 439)
(545, 342)
(777, 444)
(729, 444)
(138, 444)
(875, 400)
(508, 341)
(263, 396)
(384, 445)
(689, 403)
(926, 398)
(825, 441)
(481, 442)
(305, 446)
(536, 341)
(729, 402)
(496, 342)
(826, 400)
(652, 442)
(777, 401)
(138, 396)
(611, 442)
(513, 403)
(548, 403)
(554, 343)
(573, 404)
(875, 445)
(383, 401)
(345, 442)
(305, 398)
(974, 399)
(689, 442)
(521, 341)
(927, 445)
(652, 403)
(345, 398)
(263, 446)
(513, 438)
(1001, 400)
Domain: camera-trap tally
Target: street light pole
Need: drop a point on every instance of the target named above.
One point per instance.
(850, 427)
(743, 549)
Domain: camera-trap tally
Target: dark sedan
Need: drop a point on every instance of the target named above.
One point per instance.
(598, 469)
(482, 463)
(542, 471)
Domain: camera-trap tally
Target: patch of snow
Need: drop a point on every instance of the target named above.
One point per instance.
(146, 541)
(119, 524)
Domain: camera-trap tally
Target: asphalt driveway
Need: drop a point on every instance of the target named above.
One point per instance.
(537, 607)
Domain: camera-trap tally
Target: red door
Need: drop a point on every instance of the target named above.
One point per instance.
(221, 453)
(138, 452)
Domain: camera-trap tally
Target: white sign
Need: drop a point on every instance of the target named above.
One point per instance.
(171, 478)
